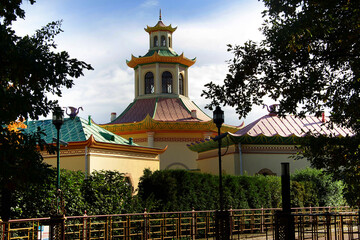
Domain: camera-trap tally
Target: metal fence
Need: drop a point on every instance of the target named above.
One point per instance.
(338, 223)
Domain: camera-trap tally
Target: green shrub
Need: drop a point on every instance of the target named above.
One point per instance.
(180, 190)
(322, 189)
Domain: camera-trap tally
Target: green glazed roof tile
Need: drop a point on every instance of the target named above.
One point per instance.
(75, 130)
(162, 52)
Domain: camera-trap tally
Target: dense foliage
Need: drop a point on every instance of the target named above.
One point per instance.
(30, 68)
(323, 189)
(103, 192)
(309, 62)
(179, 190)
(107, 192)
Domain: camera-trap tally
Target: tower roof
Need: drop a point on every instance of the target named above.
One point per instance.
(272, 129)
(162, 109)
(163, 55)
(160, 26)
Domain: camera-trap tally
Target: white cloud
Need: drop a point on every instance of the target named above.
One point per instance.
(108, 41)
(149, 3)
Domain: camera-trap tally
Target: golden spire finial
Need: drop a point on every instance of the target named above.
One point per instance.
(160, 15)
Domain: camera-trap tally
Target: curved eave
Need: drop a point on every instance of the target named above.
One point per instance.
(160, 28)
(150, 124)
(157, 58)
(231, 139)
(91, 142)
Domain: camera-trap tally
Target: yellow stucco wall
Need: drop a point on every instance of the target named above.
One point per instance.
(73, 163)
(130, 163)
(253, 163)
(254, 159)
(132, 166)
(177, 155)
(210, 163)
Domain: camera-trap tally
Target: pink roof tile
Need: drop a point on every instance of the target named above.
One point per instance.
(137, 111)
(172, 110)
(272, 125)
(192, 106)
(161, 109)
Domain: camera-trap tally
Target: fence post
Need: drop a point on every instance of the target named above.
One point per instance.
(2, 230)
(85, 220)
(145, 225)
(57, 227)
(284, 220)
(193, 223)
(231, 221)
(127, 228)
(178, 232)
(7, 230)
(262, 219)
(328, 225)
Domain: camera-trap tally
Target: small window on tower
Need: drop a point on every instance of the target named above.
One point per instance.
(166, 82)
(169, 42)
(149, 83)
(156, 41)
(181, 84)
(163, 41)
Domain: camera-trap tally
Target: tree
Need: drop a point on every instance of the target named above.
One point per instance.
(29, 69)
(309, 61)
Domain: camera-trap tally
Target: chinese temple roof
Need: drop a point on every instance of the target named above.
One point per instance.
(162, 109)
(160, 55)
(160, 26)
(272, 129)
(76, 130)
(160, 113)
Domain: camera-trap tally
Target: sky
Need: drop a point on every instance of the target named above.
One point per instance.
(106, 33)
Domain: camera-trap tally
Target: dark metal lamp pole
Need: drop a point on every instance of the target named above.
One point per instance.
(218, 117)
(58, 120)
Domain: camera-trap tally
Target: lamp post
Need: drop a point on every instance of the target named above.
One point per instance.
(218, 117)
(58, 120)
(222, 217)
(57, 220)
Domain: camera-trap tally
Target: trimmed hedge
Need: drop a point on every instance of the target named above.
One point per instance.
(103, 192)
(107, 192)
(180, 190)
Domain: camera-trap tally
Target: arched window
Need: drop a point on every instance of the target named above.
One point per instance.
(169, 42)
(149, 83)
(163, 41)
(266, 172)
(181, 84)
(166, 82)
(156, 41)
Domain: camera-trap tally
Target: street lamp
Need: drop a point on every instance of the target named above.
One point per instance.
(218, 117)
(58, 120)
(222, 217)
(57, 221)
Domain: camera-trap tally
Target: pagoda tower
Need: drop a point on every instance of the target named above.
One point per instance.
(162, 114)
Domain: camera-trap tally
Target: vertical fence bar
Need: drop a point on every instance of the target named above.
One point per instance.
(84, 227)
(193, 223)
(262, 219)
(321, 224)
(145, 234)
(7, 230)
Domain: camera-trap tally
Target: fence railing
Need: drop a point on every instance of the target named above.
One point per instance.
(310, 223)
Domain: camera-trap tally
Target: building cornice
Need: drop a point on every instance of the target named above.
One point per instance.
(156, 58)
(149, 124)
(92, 143)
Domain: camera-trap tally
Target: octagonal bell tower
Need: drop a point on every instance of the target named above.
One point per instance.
(161, 72)
(162, 115)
